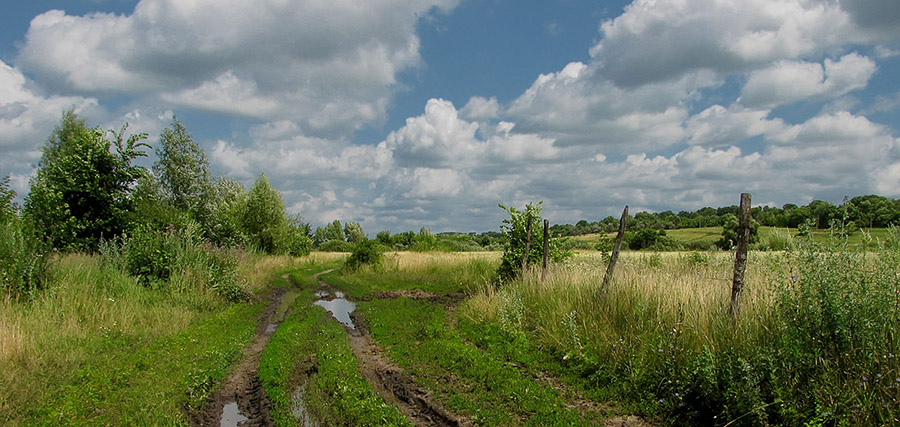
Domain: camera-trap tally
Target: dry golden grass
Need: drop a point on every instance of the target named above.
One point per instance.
(649, 291)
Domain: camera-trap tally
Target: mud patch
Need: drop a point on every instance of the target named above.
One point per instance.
(417, 294)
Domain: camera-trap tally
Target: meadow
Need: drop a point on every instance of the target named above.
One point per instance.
(815, 342)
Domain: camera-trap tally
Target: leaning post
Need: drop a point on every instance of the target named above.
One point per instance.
(527, 243)
(740, 257)
(615, 253)
(546, 249)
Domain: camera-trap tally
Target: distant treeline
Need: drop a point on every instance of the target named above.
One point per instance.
(862, 212)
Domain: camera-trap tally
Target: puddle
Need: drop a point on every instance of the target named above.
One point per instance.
(298, 408)
(271, 327)
(231, 415)
(339, 307)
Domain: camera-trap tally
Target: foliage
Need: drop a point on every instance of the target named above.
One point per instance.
(264, 217)
(227, 225)
(335, 246)
(183, 173)
(8, 209)
(81, 191)
(156, 257)
(354, 232)
(514, 239)
(366, 252)
(730, 230)
(23, 258)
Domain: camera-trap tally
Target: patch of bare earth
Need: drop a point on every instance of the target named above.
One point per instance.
(243, 385)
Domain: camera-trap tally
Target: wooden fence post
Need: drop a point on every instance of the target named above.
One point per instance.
(740, 257)
(546, 249)
(527, 244)
(615, 253)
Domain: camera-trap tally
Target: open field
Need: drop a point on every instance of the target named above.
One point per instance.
(707, 236)
(814, 344)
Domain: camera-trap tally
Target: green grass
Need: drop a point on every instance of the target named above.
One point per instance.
(437, 273)
(707, 236)
(97, 347)
(311, 347)
(471, 382)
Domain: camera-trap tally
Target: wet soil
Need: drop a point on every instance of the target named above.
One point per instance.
(388, 379)
(241, 399)
(396, 388)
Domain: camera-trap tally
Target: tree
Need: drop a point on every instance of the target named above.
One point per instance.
(183, 173)
(81, 191)
(354, 232)
(264, 216)
(514, 238)
(730, 226)
(226, 227)
(8, 210)
(333, 231)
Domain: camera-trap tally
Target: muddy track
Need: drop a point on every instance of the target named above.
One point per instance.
(388, 379)
(242, 385)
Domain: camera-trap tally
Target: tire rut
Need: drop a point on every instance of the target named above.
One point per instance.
(395, 387)
(243, 386)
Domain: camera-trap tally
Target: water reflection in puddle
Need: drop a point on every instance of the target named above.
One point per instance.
(298, 408)
(339, 307)
(231, 415)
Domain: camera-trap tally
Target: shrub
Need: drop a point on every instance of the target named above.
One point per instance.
(514, 238)
(336, 246)
(366, 252)
(23, 259)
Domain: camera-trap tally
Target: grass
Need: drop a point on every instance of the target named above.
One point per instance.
(707, 236)
(435, 272)
(98, 347)
(311, 351)
(817, 326)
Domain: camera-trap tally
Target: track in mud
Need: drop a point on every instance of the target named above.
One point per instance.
(242, 388)
(388, 380)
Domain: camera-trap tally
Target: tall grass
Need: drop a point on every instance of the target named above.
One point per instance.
(87, 327)
(815, 341)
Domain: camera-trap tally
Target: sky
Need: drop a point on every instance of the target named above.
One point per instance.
(402, 114)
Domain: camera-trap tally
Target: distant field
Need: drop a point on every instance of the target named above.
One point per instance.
(711, 234)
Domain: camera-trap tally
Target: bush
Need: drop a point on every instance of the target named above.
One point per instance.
(335, 246)
(158, 257)
(514, 238)
(23, 259)
(366, 252)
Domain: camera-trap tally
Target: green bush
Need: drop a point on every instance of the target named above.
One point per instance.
(366, 252)
(157, 257)
(514, 238)
(335, 246)
(23, 259)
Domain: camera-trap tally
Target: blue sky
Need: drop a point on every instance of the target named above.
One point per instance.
(407, 113)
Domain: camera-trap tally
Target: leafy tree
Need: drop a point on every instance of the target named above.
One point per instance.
(264, 216)
(384, 237)
(333, 231)
(183, 173)
(730, 227)
(514, 239)
(226, 227)
(8, 210)
(645, 238)
(354, 232)
(81, 192)
(366, 252)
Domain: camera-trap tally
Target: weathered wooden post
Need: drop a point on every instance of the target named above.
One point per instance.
(546, 249)
(740, 257)
(527, 243)
(615, 253)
